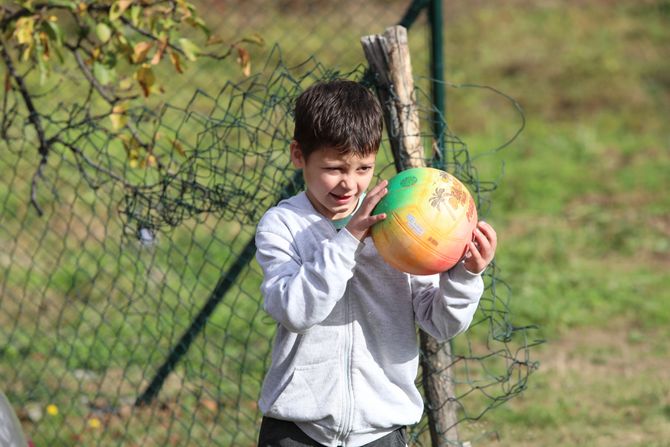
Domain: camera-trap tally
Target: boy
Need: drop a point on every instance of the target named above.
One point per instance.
(345, 355)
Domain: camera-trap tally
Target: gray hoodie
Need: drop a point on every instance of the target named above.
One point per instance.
(345, 356)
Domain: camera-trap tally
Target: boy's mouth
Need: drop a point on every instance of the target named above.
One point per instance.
(341, 198)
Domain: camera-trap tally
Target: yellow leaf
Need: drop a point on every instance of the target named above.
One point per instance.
(176, 61)
(24, 30)
(146, 78)
(118, 8)
(151, 160)
(190, 49)
(44, 40)
(244, 60)
(118, 116)
(179, 148)
(27, 52)
(133, 151)
(186, 12)
(125, 84)
(140, 51)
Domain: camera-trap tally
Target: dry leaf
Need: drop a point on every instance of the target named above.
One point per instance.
(159, 53)
(176, 61)
(244, 59)
(146, 78)
(140, 51)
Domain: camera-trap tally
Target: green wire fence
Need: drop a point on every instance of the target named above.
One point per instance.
(130, 304)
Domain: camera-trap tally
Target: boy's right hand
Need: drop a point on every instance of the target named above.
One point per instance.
(362, 220)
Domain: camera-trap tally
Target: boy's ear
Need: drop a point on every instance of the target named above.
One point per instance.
(296, 155)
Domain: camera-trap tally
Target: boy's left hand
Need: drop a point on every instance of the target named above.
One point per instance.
(360, 223)
(482, 249)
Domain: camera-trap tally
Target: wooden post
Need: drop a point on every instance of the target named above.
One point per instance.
(388, 57)
(389, 60)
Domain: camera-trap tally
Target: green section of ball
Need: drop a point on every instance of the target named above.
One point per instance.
(402, 190)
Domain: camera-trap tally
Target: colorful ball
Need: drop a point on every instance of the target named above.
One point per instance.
(430, 218)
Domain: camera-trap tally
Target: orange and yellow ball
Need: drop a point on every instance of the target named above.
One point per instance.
(430, 218)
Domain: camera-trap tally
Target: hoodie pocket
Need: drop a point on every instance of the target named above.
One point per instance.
(313, 392)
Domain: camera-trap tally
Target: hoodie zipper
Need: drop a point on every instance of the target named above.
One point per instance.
(348, 410)
(347, 404)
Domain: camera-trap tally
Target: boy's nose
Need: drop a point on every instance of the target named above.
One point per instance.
(346, 182)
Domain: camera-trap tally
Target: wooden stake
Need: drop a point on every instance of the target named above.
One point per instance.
(389, 59)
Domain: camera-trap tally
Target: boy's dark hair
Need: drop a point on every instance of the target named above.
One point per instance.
(340, 114)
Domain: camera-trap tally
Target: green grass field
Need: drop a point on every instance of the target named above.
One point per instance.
(582, 212)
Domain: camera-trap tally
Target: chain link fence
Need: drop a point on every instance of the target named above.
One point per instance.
(131, 312)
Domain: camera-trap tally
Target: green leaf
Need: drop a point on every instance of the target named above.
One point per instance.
(167, 24)
(70, 4)
(28, 4)
(103, 32)
(118, 8)
(41, 65)
(58, 52)
(190, 49)
(53, 31)
(135, 12)
(109, 59)
(102, 73)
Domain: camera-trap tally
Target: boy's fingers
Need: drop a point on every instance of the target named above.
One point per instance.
(382, 184)
(475, 249)
(489, 232)
(379, 190)
(378, 187)
(371, 220)
(378, 217)
(483, 243)
(373, 198)
(481, 247)
(473, 253)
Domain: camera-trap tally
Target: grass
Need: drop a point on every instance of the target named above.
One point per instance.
(87, 321)
(581, 210)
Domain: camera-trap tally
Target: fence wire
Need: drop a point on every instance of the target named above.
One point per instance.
(131, 311)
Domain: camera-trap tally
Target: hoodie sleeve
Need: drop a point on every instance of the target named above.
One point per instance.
(445, 304)
(301, 282)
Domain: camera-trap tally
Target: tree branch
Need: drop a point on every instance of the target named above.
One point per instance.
(33, 117)
(112, 99)
(78, 153)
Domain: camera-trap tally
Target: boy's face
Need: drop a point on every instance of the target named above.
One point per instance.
(334, 181)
